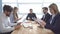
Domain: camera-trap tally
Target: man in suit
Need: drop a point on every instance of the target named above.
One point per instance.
(54, 22)
(31, 16)
(46, 15)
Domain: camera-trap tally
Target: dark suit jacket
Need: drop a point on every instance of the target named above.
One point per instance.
(31, 16)
(47, 17)
(55, 25)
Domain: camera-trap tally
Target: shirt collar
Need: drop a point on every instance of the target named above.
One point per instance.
(5, 15)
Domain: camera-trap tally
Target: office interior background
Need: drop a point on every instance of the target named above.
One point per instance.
(25, 5)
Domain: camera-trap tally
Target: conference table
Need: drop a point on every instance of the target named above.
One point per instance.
(31, 27)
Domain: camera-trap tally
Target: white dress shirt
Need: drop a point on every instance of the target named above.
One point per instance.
(11, 18)
(43, 16)
(52, 18)
(5, 25)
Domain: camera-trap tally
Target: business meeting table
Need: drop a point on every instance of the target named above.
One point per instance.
(31, 27)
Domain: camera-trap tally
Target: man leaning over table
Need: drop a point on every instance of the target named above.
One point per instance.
(5, 25)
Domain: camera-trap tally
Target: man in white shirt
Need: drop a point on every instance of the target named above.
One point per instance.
(5, 25)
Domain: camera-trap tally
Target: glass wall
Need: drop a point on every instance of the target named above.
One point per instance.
(25, 5)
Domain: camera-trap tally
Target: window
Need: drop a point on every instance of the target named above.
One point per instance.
(9, 1)
(24, 8)
(30, 1)
(25, 5)
(13, 5)
(52, 1)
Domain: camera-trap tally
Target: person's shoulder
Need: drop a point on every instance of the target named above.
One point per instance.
(28, 13)
(58, 15)
(48, 14)
(33, 13)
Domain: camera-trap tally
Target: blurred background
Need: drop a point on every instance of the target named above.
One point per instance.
(25, 5)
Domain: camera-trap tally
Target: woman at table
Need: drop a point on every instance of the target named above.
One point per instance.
(54, 22)
(14, 15)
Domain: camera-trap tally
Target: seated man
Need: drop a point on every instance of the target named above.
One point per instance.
(46, 15)
(31, 16)
(5, 25)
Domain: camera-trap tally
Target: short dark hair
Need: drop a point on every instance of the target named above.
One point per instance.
(7, 8)
(31, 9)
(45, 8)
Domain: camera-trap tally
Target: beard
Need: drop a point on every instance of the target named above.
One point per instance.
(7, 15)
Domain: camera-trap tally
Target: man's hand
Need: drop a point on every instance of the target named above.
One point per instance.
(42, 23)
(19, 23)
(17, 19)
(17, 27)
